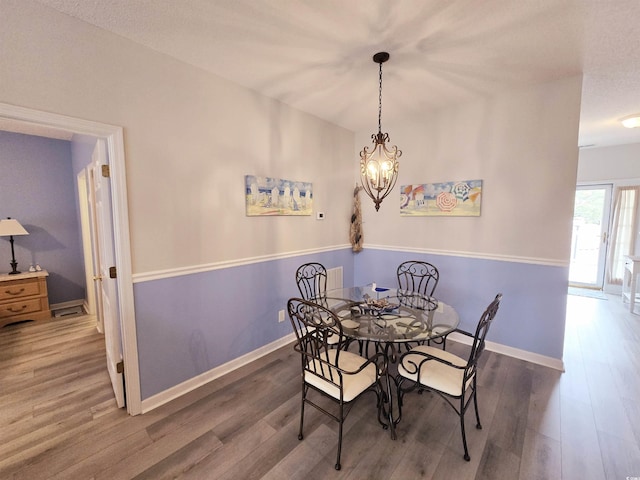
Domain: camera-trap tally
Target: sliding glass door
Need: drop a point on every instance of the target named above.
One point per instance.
(590, 235)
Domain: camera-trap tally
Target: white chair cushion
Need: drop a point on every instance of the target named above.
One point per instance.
(353, 385)
(433, 373)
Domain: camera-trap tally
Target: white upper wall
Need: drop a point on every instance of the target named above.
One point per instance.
(522, 144)
(621, 162)
(190, 138)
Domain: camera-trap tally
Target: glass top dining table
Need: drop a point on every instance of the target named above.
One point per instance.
(390, 315)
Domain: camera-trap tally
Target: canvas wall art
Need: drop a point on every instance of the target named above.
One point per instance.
(274, 196)
(446, 199)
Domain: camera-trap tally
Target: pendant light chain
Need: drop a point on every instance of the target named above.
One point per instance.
(380, 102)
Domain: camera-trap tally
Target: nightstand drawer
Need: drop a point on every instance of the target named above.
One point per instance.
(20, 307)
(24, 296)
(19, 289)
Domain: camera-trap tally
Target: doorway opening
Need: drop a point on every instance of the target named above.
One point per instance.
(29, 121)
(590, 238)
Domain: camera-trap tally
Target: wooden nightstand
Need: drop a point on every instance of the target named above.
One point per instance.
(24, 297)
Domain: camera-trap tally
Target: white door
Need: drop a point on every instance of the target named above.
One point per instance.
(105, 257)
(96, 275)
(86, 226)
(590, 238)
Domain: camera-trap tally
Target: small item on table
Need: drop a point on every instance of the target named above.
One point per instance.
(381, 304)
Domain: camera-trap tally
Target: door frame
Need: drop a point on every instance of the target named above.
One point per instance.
(114, 140)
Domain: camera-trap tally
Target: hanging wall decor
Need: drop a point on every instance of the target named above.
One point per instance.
(355, 232)
(446, 199)
(274, 196)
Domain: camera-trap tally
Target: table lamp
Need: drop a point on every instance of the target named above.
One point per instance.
(9, 228)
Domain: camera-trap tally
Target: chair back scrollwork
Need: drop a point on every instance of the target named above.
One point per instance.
(317, 331)
(416, 276)
(311, 279)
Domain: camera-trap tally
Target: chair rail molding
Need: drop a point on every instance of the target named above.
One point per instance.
(550, 262)
(208, 267)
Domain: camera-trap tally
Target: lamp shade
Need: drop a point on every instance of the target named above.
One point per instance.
(11, 226)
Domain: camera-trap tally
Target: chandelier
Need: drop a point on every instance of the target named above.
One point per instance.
(379, 166)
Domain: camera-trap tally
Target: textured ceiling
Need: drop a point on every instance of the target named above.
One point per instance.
(315, 55)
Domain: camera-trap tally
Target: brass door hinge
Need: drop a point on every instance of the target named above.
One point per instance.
(106, 172)
(112, 272)
(120, 366)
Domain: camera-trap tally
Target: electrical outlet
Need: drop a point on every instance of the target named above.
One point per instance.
(281, 316)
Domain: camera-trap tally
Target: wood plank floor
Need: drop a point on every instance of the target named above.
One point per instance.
(58, 418)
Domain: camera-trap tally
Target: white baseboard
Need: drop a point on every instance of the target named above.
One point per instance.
(206, 377)
(69, 304)
(172, 393)
(555, 363)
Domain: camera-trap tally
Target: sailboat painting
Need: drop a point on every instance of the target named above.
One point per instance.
(274, 196)
(446, 199)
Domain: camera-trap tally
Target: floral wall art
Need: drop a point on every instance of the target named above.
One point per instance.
(274, 196)
(446, 199)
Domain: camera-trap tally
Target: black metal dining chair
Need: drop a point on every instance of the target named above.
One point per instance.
(450, 376)
(311, 279)
(422, 278)
(327, 368)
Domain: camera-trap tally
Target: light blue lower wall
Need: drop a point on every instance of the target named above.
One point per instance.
(532, 312)
(193, 323)
(189, 324)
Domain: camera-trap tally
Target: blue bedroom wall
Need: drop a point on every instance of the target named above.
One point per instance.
(37, 188)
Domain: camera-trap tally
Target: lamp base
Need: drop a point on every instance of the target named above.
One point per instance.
(14, 268)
